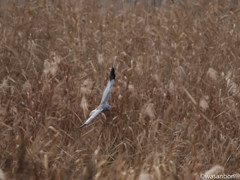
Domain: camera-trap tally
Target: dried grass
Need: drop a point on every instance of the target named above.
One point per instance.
(175, 101)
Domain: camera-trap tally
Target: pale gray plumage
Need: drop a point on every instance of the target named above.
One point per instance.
(104, 106)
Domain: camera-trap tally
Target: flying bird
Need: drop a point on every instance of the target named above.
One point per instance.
(104, 106)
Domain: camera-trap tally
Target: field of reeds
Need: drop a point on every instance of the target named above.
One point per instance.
(176, 111)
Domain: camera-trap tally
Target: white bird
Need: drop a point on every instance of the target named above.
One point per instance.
(104, 106)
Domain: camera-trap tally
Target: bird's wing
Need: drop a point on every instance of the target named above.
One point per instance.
(108, 88)
(96, 112)
(93, 111)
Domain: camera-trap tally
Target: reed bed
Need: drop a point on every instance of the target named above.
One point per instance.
(176, 111)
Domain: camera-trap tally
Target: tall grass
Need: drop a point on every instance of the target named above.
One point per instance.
(176, 111)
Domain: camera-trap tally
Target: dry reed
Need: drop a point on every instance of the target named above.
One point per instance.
(175, 101)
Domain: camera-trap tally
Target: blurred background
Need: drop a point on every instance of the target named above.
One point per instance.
(175, 99)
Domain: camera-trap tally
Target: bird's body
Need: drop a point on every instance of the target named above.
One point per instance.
(104, 106)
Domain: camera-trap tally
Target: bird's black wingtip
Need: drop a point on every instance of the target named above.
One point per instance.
(112, 74)
(82, 125)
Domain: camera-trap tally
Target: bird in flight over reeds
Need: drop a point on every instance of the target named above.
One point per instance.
(104, 106)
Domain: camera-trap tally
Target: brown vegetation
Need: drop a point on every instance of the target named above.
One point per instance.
(176, 111)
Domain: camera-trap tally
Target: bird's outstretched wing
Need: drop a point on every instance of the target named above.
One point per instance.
(96, 112)
(108, 88)
(104, 100)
